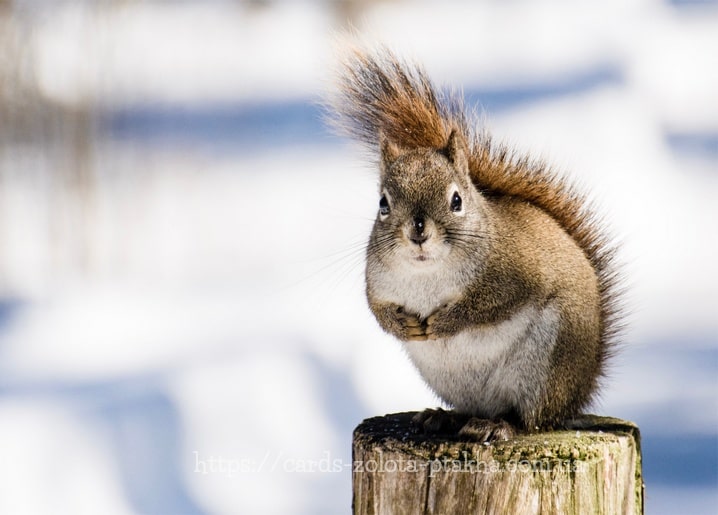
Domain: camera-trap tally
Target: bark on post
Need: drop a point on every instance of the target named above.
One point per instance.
(595, 468)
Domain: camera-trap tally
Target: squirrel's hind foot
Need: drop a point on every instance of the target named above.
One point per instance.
(433, 421)
(483, 430)
(439, 421)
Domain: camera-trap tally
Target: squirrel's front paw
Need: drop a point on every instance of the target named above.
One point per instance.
(440, 324)
(412, 327)
(395, 320)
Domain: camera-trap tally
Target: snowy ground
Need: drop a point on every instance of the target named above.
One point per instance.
(216, 352)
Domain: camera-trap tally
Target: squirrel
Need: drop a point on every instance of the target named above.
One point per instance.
(495, 274)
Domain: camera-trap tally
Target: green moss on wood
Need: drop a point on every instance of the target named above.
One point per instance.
(394, 433)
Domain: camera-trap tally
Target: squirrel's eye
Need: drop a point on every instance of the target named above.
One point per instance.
(383, 206)
(456, 202)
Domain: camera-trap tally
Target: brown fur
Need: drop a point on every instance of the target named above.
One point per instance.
(381, 95)
(543, 244)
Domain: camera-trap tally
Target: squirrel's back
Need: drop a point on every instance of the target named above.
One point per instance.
(382, 97)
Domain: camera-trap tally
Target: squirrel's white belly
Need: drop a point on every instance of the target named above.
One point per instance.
(489, 370)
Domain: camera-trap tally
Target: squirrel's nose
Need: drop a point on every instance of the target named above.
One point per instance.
(418, 235)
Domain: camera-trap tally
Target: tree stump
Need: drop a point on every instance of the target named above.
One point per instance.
(595, 468)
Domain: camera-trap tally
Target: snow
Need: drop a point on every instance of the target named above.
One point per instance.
(215, 343)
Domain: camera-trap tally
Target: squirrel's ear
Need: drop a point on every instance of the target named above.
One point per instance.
(389, 152)
(457, 151)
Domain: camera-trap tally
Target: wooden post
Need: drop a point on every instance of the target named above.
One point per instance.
(594, 469)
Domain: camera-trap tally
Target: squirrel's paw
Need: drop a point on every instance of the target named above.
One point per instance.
(437, 420)
(412, 327)
(439, 324)
(483, 430)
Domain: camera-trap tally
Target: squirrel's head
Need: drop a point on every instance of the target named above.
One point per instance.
(429, 210)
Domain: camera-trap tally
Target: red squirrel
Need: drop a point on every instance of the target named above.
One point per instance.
(495, 274)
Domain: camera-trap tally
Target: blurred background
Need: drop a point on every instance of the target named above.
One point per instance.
(182, 320)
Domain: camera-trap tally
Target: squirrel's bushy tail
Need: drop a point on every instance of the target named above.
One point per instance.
(380, 94)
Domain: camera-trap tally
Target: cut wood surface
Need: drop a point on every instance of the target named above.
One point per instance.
(593, 468)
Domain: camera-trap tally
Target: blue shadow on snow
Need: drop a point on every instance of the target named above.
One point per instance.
(143, 429)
